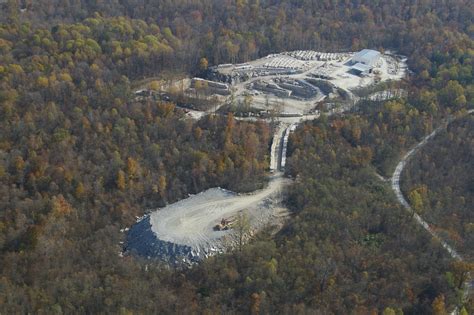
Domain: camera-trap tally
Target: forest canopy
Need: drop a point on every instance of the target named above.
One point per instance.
(441, 176)
(80, 159)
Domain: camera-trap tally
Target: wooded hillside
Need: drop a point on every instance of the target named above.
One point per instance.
(439, 182)
(79, 159)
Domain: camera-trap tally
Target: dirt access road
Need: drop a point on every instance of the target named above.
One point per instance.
(395, 182)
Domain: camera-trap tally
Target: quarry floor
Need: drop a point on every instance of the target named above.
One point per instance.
(184, 230)
(190, 221)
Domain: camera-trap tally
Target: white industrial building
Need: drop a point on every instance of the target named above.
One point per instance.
(367, 57)
(364, 61)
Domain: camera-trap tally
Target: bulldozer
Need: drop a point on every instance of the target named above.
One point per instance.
(224, 225)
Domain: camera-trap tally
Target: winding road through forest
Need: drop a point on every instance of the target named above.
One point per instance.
(395, 183)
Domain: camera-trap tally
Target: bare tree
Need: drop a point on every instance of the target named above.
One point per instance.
(242, 227)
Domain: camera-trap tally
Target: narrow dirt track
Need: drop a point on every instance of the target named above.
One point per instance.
(396, 188)
(395, 183)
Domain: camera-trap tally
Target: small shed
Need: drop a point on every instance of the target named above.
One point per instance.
(361, 69)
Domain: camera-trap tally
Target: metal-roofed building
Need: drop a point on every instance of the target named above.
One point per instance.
(361, 69)
(367, 57)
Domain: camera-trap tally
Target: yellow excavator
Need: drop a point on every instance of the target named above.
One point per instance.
(224, 225)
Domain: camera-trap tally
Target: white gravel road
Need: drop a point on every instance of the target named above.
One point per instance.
(395, 181)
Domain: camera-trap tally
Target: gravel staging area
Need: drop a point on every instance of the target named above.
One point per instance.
(183, 231)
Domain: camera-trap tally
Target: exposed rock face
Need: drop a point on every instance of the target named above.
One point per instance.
(231, 78)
